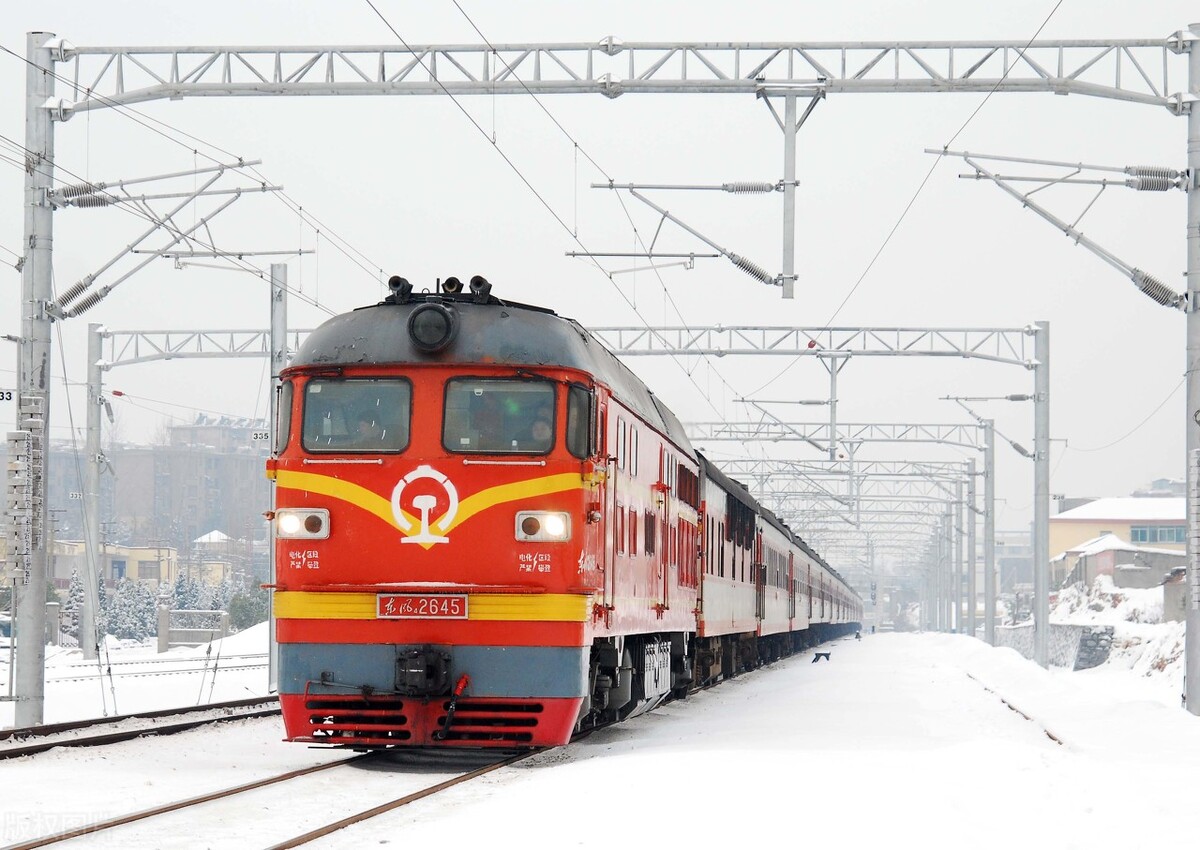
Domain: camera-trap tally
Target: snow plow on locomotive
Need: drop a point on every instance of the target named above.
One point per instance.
(490, 533)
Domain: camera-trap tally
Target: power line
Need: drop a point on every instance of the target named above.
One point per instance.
(241, 263)
(142, 119)
(574, 234)
(892, 232)
(517, 171)
(1136, 427)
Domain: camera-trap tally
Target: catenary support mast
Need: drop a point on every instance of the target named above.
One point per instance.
(1192, 639)
(33, 369)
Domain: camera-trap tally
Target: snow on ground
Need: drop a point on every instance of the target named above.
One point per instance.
(1106, 604)
(900, 740)
(130, 677)
(1151, 650)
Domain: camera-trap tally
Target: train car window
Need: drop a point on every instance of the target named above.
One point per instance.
(633, 452)
(632, 532)
(357, 415)
(498, 416)
(620, 529)
(283, 415)
(648, 522)
(620, 443)
(580, 406)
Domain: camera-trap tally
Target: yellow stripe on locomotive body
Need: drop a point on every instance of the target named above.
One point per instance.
(372, 502)
(538, 607)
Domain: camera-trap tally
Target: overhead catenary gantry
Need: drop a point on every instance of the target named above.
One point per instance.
(1132, 70)
(1028, 348)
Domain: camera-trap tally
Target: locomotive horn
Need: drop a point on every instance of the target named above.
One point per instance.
(400, 287)
(452, 285)
(481, 287)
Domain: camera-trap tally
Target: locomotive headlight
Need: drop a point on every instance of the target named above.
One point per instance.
(543, 525)
(302, 523)
(432, 327)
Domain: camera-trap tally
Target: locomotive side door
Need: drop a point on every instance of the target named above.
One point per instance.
(808, 584)
(662, 520)
(758, 568)
(791, 584)
(609, 500)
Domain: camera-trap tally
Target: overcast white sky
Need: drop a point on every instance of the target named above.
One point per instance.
(410, 184)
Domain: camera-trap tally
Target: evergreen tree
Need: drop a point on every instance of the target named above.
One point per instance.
(221, 595)
(189, 594)
(72, 607)
(248, 608)
(131, 614)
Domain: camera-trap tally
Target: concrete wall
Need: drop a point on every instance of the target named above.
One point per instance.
(1074, 647)
(1175, 598)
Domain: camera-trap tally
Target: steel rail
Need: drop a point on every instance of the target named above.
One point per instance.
(71, 725)
(128, 734)
(391, 805)
(121, 820)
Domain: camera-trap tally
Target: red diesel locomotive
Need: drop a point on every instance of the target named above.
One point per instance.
(490, 533)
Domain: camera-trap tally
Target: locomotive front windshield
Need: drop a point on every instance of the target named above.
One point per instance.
(499, 416)
(356, 415)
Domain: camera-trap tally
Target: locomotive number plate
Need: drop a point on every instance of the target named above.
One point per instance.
(420, 606)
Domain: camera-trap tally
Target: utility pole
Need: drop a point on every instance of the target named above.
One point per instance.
(959, 519)
(1192, 639)
(93, 459)
(279, 361)
(989, 532)
(972, 590)
(33, 370)
(1041, 494)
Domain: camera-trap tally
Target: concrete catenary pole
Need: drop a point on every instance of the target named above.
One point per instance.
(33, 367)
(959, 532)
(279, 361)
(972, 590)
(789, 195)
(1192, 618)
(989, 532)
(1041, 493)
(93, 563)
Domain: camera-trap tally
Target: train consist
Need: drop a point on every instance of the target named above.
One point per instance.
(491, 534)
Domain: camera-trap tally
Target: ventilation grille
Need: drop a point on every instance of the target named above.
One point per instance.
(482, 722)
(357, 719)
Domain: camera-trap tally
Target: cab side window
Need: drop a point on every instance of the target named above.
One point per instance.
(579, 421)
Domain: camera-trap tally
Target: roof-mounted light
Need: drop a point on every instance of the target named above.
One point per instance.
(432, 327)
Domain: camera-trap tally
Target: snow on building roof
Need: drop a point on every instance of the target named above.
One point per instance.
(1108, 543)
(214, 536)
(1129, 509)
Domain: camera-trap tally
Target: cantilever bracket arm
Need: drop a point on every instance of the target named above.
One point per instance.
(1147, 283)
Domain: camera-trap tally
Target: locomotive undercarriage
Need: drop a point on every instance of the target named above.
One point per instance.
(630, 675)
(726, 656)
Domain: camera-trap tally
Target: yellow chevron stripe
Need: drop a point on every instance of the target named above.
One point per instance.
(347, 491)
(372, 502)
(544, 607)
(527, 489)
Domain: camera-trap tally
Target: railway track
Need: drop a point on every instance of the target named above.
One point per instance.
(239, 791)
(36, 739)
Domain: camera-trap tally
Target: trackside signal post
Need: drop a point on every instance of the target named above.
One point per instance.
(124, 75)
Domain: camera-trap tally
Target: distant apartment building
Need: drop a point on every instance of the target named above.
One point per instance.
(153, 565)
(1014, 560)
(208, 477)
(1147, 521)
